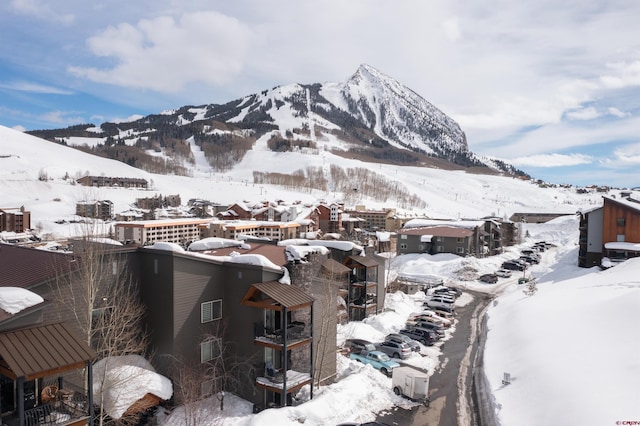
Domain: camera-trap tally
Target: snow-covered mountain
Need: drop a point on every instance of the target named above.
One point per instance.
(370, 116)
(41, 176)
(396, 112)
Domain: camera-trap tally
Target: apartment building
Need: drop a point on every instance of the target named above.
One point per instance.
(145, 232)
(273, 231)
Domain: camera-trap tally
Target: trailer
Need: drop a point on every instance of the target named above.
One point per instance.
(411, 383)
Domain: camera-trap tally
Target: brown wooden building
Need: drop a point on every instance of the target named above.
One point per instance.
(612, 231)
(15, 219)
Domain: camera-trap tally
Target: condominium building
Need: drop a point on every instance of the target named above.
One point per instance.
(179, 231)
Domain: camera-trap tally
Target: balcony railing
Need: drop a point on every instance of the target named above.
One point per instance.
(296, 332)
(364, 284)
(275, 382)
(70, 408)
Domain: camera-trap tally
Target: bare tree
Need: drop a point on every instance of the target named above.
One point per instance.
(100, 297)
(195, 384)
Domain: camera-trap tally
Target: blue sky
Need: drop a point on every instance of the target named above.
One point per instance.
(551, 87)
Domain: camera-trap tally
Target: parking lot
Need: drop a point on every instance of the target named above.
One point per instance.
(453, 379)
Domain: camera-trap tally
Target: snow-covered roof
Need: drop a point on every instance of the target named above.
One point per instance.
(422, 223)
(252, 259)
(16, 299)
(340, 245)
(631, 203)
(213, 243)
(620, 245)
(300, 252)
(161, 245)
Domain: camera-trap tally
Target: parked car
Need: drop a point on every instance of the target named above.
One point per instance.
(398, 350)
(401, 338)
(444, 297)
(489, 278)
(456, 291)
(426, 337)
(439, 331)
(503, 273)
(358, 345)
(438, 303)
(445, 291)
(417, 320)
(378, 360)
(530, 259)
(446, 322)
(450, 315)
(513, 265)
(445, 311)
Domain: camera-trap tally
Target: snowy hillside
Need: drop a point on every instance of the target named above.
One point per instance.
(25, 160)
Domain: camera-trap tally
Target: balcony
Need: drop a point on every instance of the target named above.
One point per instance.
(275, 381)
(67, 407)
(364, 302)
(296, 333)
(364, 284)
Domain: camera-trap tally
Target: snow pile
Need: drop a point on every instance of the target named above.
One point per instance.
(301, 252)
(159, 245)
(118, 382)
(16, 299)
(252, 259)
(214, 243)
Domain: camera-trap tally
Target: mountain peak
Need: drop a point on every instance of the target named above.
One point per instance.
(370, 115)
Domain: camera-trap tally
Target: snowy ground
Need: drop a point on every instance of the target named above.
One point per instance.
(571, 349)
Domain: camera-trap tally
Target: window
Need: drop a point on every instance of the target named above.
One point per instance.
(620, 221)
(460, 250)
(210, 350)
(620, 238)
(210, 311)
(439, 239)
(440, 249)
(403, 246)
(403, 236)
(460, 240)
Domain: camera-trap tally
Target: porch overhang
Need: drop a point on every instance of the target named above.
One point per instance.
(43, 350)
(276, 296)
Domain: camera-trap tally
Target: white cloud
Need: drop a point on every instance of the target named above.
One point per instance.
(587, 113)
(40, 10)
(617, 113)
(552, 160)
(23, 86)
(164, 54)
(626, 155)
(624, 74)
(451, 29)
(66, 118)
